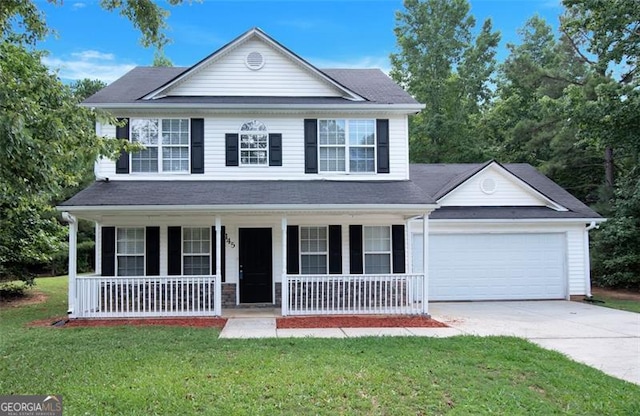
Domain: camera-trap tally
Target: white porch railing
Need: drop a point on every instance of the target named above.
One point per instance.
(352, 294)
(145, 296)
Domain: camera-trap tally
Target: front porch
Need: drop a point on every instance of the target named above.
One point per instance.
(148, 266)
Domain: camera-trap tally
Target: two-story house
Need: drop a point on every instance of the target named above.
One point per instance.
(267, 180)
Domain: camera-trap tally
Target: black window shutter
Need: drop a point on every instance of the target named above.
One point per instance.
(197, 145)
(231, 146)
(152, 254)
(108, 251)
(275, 149)
(215, 239)
(122, 164)
(355, 249)
(382, 135)
(397, 244)
(335, 249)
(293, 260)
(174, 251)
(310, 146)
(223, 245)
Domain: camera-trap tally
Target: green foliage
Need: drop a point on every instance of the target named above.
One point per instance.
(160, 59)
(12, 290)
(616, 249)
(445, 67)
(46, 142)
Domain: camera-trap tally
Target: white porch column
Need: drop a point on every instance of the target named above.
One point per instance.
(284, 285)
(425, 264)
(98, 249)
(73, 252)
(218, 287)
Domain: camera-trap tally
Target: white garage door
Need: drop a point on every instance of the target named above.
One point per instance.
(494, 266)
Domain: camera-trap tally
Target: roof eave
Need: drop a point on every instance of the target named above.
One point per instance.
(400, 108)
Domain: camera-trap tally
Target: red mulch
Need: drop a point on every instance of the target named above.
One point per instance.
(184, 322)
(366, 321)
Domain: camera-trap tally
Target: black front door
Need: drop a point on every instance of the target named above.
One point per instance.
(255, 265)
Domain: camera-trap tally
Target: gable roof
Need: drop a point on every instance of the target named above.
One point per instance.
(251, 34)
(440, 179)
(145, 86)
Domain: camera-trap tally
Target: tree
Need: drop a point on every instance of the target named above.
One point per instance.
(46, 139)
(606, 113)
(160, 59)
(444, 66)
(528, 122)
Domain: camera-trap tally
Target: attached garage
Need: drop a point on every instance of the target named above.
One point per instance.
(494, 266)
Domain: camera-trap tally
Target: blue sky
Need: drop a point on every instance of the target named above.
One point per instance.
(92, 43)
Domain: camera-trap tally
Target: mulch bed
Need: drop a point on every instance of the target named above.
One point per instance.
(358, 322)
(184, 322)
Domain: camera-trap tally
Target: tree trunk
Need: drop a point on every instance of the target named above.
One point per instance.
(608, 167)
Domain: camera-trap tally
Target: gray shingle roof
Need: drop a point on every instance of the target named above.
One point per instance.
(371, 84)
(134, 84)
(439, 179)
(313, 193)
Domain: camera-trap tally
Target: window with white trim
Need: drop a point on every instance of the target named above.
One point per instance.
(130, 251)
(254, 144)
(166, 144)
(313, 250)
(347, 145)
(377, 250)
(196, 251)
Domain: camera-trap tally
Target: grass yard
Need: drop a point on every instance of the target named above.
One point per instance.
(625, 301)
(170, 371)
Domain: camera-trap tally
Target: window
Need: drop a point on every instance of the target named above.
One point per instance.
(166, 142)
(347, 145)
(196, 249)
(313, 250)
(130, 251)
(377, 250)
(254, 144)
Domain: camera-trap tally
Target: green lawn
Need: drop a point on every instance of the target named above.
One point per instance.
(615, 303)
(177, 371)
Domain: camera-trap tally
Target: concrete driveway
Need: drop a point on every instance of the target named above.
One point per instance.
(604, 338)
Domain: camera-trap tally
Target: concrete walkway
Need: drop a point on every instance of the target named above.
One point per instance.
(604, 338)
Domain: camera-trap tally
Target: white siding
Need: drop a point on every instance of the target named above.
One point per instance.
(292, 130)
(508, 192)
(229, 76)
(576, 261)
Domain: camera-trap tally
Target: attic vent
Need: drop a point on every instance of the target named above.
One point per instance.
(488, 185)
(254, 60)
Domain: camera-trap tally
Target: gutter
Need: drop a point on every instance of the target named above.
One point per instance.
(587, 259)
(226, 107)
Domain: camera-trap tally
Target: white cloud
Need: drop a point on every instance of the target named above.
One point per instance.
(91, 54)
(78, 5)
(381, 62)
(88, 64)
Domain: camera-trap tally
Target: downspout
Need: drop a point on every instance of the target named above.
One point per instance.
(73, 243)
(587, 260)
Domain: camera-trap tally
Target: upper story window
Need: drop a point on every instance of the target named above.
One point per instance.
(166, 142)
(254, 144)
(347, 145)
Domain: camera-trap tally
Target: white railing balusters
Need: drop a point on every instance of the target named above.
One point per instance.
(145, 296)
(353, 294)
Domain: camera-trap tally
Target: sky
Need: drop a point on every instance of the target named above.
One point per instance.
(93, 43)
